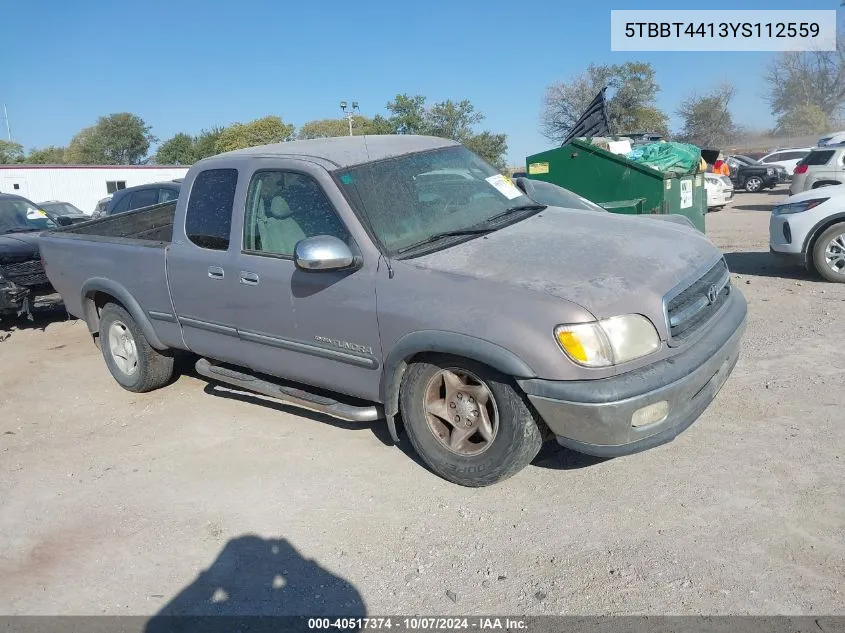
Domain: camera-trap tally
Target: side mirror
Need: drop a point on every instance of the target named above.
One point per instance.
(322, 252)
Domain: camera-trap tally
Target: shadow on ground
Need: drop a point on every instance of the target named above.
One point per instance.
(765, 264)
(556, 457)
(44, 313)
(258, 584)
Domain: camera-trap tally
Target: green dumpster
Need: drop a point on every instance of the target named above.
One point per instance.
(618, 184)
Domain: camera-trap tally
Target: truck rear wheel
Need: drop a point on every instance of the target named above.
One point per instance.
(829, 253)
(133, 363)
(467, 421)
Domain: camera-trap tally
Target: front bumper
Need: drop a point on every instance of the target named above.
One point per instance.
(595, 416)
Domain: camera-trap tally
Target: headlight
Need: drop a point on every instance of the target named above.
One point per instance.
(797, 207)
(770, 171)
(608, 342)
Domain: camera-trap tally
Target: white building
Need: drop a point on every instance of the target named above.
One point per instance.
(81, 185)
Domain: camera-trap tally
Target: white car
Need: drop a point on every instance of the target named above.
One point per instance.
(720, 191)
(832, 139)
(787, 158)
(809, 229)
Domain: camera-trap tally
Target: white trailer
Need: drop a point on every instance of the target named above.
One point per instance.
(81, 185)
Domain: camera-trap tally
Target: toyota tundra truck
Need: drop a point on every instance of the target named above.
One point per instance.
(387, 278)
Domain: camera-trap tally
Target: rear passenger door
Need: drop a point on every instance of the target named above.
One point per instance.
(201, 268)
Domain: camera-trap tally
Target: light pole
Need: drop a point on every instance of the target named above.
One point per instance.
(349, 115)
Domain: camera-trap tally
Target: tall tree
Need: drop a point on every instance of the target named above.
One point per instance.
(448, 119)
(177, 150)
(50, 155)
(324, 128)
(804, 83)
(10, 153)
(631, 108)
(407, 114)
(117, 139)
(707, 118)
(205, 143)
(269, 129)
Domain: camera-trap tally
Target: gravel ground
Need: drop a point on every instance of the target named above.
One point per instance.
(115, 503)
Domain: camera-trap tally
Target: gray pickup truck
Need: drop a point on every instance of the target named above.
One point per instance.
(373, 276)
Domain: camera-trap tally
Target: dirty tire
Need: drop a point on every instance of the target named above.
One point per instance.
(832, 239)
(152, 369)
(517, 441)
(753, 184)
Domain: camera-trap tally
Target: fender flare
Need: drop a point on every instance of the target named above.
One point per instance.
(818, 228)
(125, 298)
(825, 183)
(438, 341)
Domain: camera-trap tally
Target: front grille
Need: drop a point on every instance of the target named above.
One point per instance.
(691, 308)
(29, 273)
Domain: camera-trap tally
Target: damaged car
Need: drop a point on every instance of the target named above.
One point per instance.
(22, 276)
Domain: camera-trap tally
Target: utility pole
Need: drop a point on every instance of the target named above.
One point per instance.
(349, 115)
(8, 129)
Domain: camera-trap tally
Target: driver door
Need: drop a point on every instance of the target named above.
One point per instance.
(316, 327)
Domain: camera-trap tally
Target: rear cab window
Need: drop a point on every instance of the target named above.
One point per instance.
(208, 218)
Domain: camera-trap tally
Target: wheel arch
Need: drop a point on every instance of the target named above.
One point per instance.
(825, 183)
(813, 235)
(98, 291)
(441, 342)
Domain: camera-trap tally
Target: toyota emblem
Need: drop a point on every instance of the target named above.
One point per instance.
(712, 293)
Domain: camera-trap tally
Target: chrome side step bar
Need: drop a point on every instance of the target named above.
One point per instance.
(290, 395)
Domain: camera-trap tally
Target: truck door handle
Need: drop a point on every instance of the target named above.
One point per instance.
(249, 278)
(215, 272)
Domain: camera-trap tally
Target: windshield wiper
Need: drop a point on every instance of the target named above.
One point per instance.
(19, 229)
(440, 236)
(517, 209)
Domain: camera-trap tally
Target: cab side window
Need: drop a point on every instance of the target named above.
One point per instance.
(284, 207)
(208, 219)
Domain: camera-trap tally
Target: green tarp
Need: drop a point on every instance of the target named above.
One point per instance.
(676, 159)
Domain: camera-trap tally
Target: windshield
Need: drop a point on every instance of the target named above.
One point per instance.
(555, 196)
(61, 208)
(410, 199)
(18, 215)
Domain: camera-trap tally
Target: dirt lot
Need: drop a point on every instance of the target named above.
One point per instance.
(114, 503)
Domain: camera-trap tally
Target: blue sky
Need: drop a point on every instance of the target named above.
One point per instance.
(184, 66)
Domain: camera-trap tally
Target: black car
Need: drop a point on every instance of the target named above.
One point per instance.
(751, 175)
(63, 213)
(141, 196)
(22, 276)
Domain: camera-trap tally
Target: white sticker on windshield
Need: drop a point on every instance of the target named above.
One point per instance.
(504, 186)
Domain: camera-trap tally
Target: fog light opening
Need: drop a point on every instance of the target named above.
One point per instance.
(651, 414)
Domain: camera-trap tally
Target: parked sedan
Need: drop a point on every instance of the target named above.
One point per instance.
(720, 191)
(141, 196)
(63, 213)
(809, 229)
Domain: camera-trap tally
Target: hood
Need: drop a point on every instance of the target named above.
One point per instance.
(17, 245)
(834, 192)
(608, 264)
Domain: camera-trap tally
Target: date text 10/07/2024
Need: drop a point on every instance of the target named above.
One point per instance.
(722, 29)
(418, 624)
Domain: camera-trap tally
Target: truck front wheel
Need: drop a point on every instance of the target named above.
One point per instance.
(133, 363)
(467, 421)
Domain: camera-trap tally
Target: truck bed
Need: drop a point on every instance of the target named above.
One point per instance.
(152, 224)
(123, 256)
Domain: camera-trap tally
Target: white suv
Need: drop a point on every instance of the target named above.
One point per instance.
(823, 166)
(787, 157)
(809, 229)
